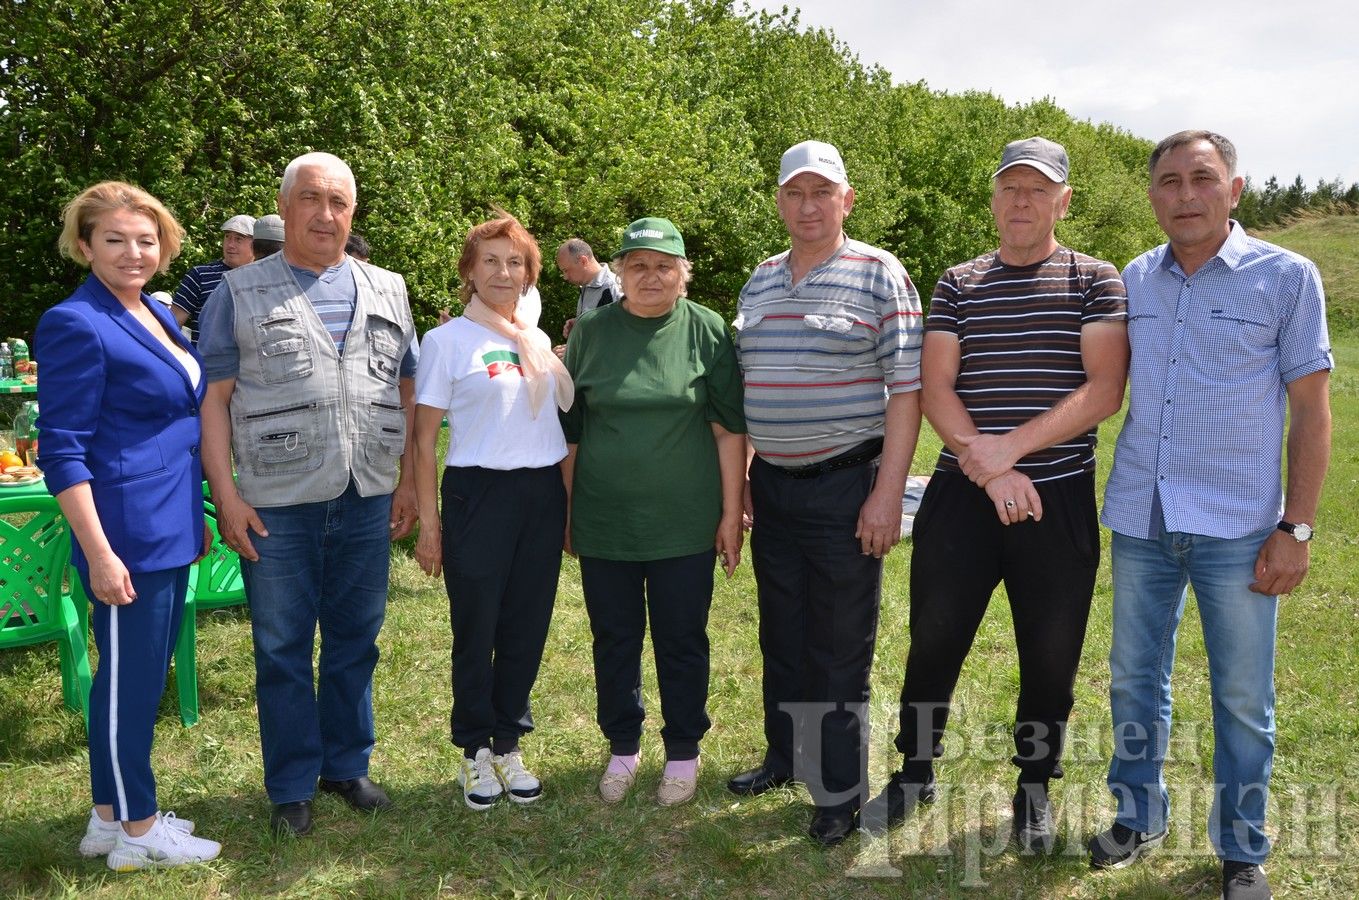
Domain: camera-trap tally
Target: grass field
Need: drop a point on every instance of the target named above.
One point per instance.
(571, 844)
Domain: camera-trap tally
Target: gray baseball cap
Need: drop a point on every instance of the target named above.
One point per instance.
(241, 225)
(1048, 157)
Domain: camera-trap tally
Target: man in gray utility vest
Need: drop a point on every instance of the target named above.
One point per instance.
(310, 367)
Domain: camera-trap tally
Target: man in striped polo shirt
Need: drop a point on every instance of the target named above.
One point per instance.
(1025, 353)
(200, 281)
(829, 339)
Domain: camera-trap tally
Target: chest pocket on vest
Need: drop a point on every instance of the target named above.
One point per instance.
(285, 352)
(384, 348)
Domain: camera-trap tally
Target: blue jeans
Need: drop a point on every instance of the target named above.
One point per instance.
(1150, 577)
(322, 563)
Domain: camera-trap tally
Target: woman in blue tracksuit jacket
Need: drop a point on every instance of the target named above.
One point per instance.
(119, 394)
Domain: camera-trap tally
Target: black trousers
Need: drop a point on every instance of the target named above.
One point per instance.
(675, 594)
(818, 600)
(960, 553)
(502, 544)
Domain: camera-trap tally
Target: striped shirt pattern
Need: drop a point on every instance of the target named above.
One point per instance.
(333, 295)
(1212, 356)
(820, 357)
(193, 291)
(1019, 334)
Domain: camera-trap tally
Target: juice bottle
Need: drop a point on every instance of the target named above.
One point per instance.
(26, 433)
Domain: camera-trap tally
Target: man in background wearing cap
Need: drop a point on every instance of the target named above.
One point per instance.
(200, 281)
(1026, 352)
(268, 235)
(829, 339)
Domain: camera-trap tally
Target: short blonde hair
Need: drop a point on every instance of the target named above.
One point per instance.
(80, 215)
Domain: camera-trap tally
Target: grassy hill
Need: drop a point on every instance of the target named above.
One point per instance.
(1332, 242)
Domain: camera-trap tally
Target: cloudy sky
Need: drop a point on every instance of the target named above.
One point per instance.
(1278, 78)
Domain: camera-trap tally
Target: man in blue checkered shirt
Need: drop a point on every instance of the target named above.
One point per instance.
(1228, 333)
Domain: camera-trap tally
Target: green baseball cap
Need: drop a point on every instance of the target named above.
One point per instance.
(652, 233)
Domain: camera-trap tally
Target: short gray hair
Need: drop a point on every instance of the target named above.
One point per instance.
(1225, 148)
(320, 160)
(575, 248)
(686, 270)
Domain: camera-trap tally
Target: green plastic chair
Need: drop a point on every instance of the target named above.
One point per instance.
(214, 581)
(35, 549)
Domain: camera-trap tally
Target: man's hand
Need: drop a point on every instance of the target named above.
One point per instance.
(984, 457)
(879, 527)
(235, 520)
(1281, 564)
(1015, 497)
(405, 510)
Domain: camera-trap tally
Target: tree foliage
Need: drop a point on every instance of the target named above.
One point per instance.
(577, 117)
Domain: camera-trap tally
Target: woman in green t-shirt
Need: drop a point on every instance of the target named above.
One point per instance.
(655, 470)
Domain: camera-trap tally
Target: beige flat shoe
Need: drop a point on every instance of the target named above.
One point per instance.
(614, 786)
(675, 791)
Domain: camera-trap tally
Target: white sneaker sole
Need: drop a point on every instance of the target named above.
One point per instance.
(93, 846)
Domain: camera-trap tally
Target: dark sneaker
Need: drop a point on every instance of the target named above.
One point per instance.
(897, 801)
(1121, 846)
(1244, 881)
(1033, 828)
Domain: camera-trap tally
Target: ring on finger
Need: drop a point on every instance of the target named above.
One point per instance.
(1009, 504)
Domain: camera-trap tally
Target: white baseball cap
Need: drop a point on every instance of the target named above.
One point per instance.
(812, 156)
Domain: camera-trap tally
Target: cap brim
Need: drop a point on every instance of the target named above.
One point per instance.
(832, 176)
(1048, 171)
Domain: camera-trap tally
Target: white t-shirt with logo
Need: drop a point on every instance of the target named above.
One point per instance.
(474, 374)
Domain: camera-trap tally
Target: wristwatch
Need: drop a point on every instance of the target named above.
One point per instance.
(1301, 532)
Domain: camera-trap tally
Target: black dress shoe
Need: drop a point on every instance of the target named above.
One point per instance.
(757, 781)
(897, 801)
(291, 819)
(831, 824)
(360, 793)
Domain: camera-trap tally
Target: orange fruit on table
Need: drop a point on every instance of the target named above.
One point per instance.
(9, 459)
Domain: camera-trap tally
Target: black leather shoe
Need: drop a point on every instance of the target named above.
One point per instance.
(757, 781)
(291, 819)
(360, 793)
(831, 824)
(897, 801)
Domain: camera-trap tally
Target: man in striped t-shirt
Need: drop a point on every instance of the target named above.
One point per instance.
(829, 339)
(1026, 352)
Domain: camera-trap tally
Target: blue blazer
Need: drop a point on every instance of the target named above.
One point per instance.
(118, 410)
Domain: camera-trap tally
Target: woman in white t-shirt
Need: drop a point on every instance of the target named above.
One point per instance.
(499, 538)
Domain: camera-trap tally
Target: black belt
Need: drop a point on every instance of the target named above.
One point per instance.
(854, 456)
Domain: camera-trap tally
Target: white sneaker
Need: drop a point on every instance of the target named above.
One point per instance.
(521, 784)
(480, 786)
(100, 836)
(163, 845)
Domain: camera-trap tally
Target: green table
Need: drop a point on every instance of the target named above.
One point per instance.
(16, 386)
